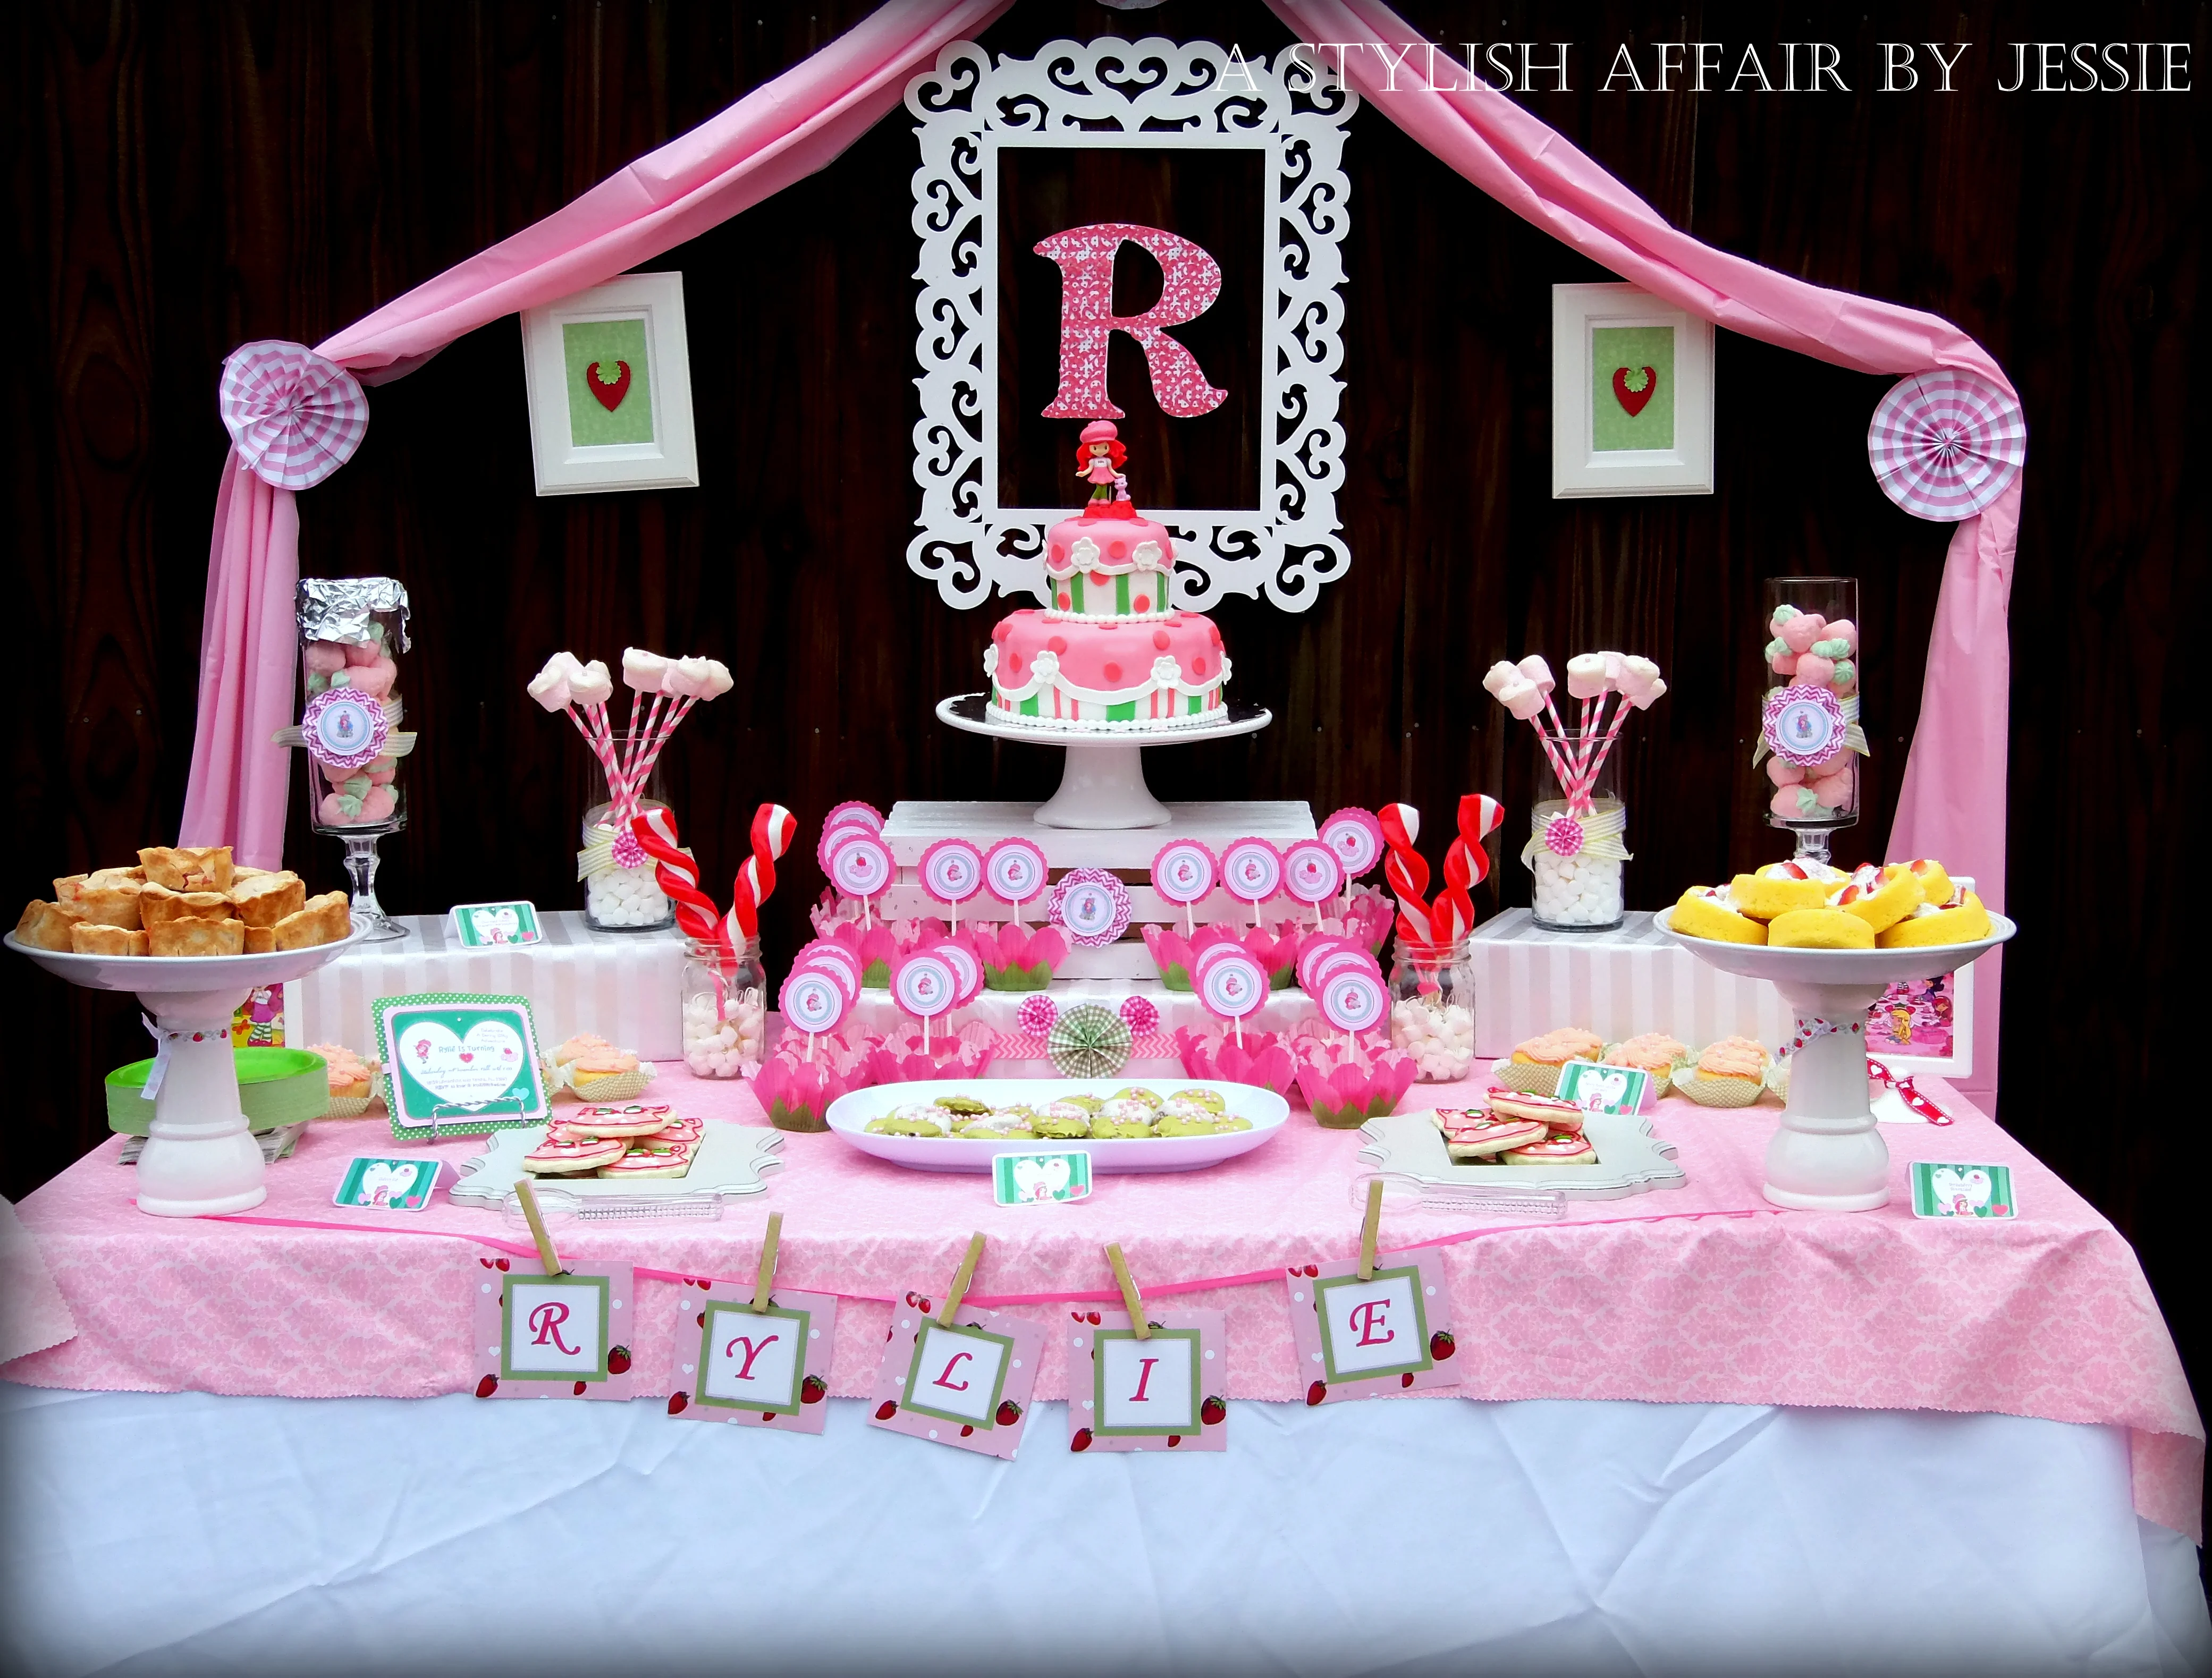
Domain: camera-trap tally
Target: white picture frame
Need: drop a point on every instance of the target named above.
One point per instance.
(648, 445)
(1151, 94)
(1594, 449)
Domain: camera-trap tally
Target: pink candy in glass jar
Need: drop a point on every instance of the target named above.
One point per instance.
(351, 629)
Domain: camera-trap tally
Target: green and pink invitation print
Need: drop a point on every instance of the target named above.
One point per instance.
(1631, 388)
(1962, 1191)
(388, 1185)
(609, 383)
(1167, 1391)
(459, 1065)
(758, 1369)
(553, 1336)
(1389, 1334)
(966, 1385)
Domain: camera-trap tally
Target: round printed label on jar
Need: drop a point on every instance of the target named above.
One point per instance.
(1804, 725)
(345, 729)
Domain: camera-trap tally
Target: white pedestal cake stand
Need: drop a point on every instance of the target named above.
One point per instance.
(1103, 785)
(1828, 1156)
(200, 1158)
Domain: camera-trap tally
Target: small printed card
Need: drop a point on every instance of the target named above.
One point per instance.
(487, 925)
(1161, 1393)
(1042, 1178)
(541, 1336)
(392, 1185)
(459, 1065)
(1368, 1339)
(769, 1370)
(1962, 1191)
(968, 1385)
(1605, 1089)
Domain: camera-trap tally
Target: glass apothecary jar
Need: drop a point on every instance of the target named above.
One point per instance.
(1810, 736)
(622, 888)
(1575, 832)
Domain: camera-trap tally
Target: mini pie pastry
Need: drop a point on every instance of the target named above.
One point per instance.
(1703, 913)
(89, 939)
(267, 898)
(1820, 929)
(326, 920)
(196, 937)
(1965, 922)
(186, 868)
(47, 925)
(158, 906)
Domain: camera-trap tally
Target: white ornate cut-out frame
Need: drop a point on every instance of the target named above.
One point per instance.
(1156, 94)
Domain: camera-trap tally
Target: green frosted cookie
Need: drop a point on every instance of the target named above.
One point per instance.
(1062, 1130)
(996, 1127)
(1209, 1098)
(1090, 1104)
(1172, 1126)
(1115, 1129)
(892, 1125)
(967, 1104)
(1150, 1098)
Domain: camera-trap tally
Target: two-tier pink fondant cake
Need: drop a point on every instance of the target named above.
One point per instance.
(1110, 652)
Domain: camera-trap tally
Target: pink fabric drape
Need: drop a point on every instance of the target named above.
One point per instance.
(247, 652)
(1952, 804)
(782, 130)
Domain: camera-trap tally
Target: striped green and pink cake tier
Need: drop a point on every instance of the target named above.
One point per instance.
(1142, 677)
(1111, 563)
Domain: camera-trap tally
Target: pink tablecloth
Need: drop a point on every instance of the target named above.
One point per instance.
(1699, 1294)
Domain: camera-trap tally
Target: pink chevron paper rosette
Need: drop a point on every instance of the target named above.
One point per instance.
(1945, 445)
(294, 417)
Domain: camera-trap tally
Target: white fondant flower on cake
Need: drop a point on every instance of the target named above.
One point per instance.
(1046, 665)
(1083, 552)
(1166, 672)
(990, 659)
(1147, 556)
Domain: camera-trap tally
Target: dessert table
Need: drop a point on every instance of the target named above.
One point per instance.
(1704, 1424)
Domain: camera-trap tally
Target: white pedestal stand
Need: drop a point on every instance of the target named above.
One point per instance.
(200, 1159)
(1828, 1156)
(1102, 784)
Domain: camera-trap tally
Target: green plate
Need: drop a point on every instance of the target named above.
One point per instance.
(275, 1087)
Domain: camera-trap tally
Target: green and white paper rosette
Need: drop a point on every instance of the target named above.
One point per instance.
(1090, 1041)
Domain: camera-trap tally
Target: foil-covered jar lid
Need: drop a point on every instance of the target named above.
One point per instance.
(341, 608)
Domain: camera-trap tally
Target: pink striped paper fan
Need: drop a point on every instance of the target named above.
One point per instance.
(295, 416)
(1945, 445)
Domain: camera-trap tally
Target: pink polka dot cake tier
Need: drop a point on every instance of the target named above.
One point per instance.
(1110, 651)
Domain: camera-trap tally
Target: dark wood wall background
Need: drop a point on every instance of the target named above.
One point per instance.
(186, 176)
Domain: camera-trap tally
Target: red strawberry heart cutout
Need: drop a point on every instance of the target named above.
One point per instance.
(611, 395)
(1634, 401)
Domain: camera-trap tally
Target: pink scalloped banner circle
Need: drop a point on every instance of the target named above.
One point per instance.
(1353, 1000)
(860, 864)
(1312, 872)
(1338, 961)
(828, 952)
(1233, 985)
(1184, 870)
(853, 813)
(1313, 950)
(1356, 837)
(1016, 870)
(953, 870)
(1252, 869)
(344, 728)
(924, 985)
(814, 999)
(965, 967)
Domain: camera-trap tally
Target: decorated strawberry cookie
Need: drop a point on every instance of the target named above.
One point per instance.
(572, 1157)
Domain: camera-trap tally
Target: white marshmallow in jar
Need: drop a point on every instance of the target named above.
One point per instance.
(725, 1014)
(352, 632)
(622, 886)
(1432, 1008)
(1574, 851)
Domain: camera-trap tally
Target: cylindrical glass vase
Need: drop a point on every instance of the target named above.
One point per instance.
(1432, 1008)
(1810, 739)
(1577, 833)
(725, 1010)
(622, 888)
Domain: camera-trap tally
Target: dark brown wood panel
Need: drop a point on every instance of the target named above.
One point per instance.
(188, 176)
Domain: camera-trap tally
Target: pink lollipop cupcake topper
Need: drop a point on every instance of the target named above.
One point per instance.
(1183, 872)
(1015, 871)
(1252, 869)
(953, 872)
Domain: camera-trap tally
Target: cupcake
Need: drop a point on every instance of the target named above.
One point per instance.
(1654, 1052)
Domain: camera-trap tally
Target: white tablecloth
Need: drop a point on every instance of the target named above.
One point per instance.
(182, 1534)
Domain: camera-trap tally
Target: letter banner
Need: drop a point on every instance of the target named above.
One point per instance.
(966, 1385)
(541, 1336)
(758, 1369)
(1372, 1339)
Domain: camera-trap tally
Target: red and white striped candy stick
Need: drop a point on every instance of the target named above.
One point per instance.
(678, 877)
(1405, 871)
(773, 829)
(1467, 860)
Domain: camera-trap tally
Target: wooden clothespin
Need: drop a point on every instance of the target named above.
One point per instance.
(1368, 1226)
(527, 1192)
(1130, 1297)
(768, 1263)
(961, 1278)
